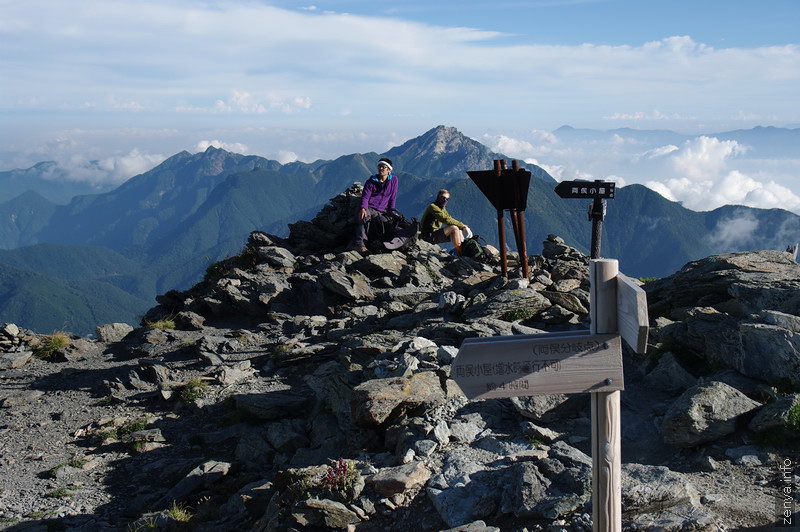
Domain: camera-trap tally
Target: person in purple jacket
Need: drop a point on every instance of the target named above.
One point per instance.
(379, 197)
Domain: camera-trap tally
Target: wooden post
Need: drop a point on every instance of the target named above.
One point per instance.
(606, 452)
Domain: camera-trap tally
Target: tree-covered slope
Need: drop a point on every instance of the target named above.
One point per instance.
(47, 304)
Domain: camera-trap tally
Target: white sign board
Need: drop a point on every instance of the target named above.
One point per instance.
(514, 366)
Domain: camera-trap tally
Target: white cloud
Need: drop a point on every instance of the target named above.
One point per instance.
(703, 180)
(733, 188)
(188, 56)
(620, 181)
(660, 151)
(247, 103)
(541, 142)
(109, 170)
(642, 115)
(662, 188)
(734, 233)
(126, 166)
(234, 147)
(704, 158)
(285, 156)
(509, 146)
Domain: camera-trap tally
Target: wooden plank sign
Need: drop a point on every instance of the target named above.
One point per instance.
(510, 366)
(632, 320)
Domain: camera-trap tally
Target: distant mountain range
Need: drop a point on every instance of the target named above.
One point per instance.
(104, 257)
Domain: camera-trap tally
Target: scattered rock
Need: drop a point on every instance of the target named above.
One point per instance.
(309, 387)
(704, 413)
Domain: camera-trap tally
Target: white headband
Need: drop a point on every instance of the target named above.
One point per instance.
(384, 163)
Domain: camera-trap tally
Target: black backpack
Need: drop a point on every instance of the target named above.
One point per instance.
(473, 249)
(399, 233)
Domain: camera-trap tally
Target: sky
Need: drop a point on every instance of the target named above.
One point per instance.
(129, 84)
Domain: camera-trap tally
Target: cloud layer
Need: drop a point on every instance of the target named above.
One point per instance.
(702, 173)
(122, 82)
(246, 58)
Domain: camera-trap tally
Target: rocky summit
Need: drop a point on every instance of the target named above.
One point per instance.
(302, 386)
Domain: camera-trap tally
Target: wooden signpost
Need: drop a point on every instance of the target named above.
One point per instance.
(571, 362)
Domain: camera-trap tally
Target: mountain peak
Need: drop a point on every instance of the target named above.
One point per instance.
(442, 151)
(444, 139)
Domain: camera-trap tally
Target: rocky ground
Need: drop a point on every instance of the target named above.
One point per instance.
(304, 387)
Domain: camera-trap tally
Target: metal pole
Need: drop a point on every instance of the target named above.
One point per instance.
(501, 228)
(597, 212)
(523, 247)
(596, 215)
(519, 226)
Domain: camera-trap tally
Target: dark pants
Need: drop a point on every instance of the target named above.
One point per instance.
(370, 227)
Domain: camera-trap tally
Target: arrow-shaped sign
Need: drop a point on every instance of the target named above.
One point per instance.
(514, 366)
(586, 189)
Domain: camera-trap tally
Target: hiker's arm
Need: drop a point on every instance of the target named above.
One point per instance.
(444, 217)
(369, 188)
(393, 195)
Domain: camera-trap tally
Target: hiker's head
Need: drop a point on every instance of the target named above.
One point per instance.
(442, 197)
(384, 167)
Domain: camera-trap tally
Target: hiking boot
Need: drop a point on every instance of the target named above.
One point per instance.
(361, 248)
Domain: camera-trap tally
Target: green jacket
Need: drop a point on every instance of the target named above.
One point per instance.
(434, 218)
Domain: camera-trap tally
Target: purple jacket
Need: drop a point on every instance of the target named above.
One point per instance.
(379, 196)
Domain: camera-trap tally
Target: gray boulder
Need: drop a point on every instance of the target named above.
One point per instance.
(112, 332)
(704, 413)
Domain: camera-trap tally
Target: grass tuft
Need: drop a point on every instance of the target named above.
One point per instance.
(193, 390)
(164, 325)
(179, 512)
(50, 344)
(793, 419)
(517, 314)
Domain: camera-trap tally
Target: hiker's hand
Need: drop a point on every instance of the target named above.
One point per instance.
(362, 214)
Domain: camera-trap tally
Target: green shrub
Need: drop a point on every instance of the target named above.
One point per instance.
(50, 344)
(193, 390)
(77, 463)
(131, 426)
(244, 260)
(648, 279)
(179, 512)
(164, 325)
(793, 419)
(61, 493)
(278, 351)
(517, 314)
(137, 446)
(111, 432)
(341, 478)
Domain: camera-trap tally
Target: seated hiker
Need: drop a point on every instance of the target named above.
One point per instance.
(438, 226)
(378, 198)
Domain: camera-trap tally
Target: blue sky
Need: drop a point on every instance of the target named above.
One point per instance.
(130, 83)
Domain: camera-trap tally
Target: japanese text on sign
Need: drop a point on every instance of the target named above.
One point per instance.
(523, 367)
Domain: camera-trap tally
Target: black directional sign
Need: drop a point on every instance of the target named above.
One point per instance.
(586, 189)
(507, 191)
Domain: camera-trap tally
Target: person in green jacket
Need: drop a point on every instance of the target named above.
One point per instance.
(438, 226)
